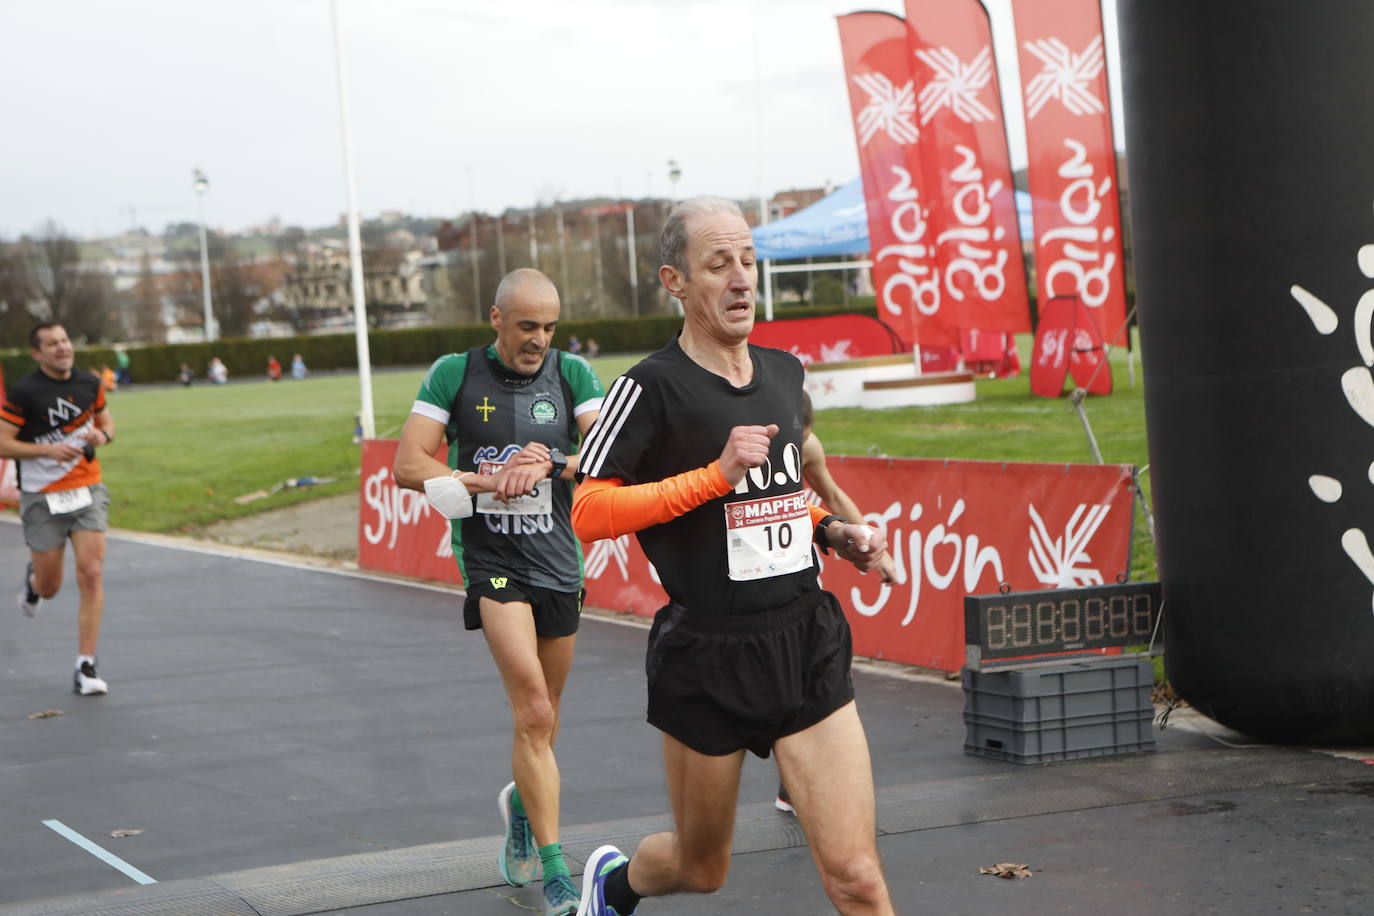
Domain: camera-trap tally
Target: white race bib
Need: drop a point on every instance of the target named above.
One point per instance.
(768, 537)
(539, 502)
(62, 502)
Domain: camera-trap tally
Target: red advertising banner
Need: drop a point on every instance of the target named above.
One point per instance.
(967, 165)
(829, 339)
(9, 477)
(398, 532)
(1067, 342)
(902, 238)
(1072, 160)
(954, 528)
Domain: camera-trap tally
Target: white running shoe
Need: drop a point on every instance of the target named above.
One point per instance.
(784, 801)
(29, 600)
(87, 683)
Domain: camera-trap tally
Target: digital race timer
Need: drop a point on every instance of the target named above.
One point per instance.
(1018, 624)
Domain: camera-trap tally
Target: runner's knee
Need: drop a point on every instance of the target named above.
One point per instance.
(535, 717)
(705, 876)
(88, 573)
(857, 878)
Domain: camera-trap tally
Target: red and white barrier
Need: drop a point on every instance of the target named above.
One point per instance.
(954, 528)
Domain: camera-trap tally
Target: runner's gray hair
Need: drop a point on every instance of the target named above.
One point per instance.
(672, 246)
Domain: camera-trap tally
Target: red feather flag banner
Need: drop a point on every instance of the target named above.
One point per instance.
(903, 238)
(967, 165)
(1071, 158)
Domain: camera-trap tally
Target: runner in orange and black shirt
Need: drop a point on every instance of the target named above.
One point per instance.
(54, 418)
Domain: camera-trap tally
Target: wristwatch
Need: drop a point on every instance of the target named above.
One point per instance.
(821, 541)
(560, 462)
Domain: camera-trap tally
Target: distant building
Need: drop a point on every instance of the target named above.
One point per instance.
(319, 289)
(785, 203)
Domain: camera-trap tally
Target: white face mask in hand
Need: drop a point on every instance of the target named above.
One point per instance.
(449, 497)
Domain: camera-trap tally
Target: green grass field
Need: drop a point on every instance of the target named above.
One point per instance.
(184, 454)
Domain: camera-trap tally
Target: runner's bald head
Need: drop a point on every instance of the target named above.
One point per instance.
(522, 285)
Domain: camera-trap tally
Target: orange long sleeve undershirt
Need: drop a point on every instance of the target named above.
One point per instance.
(607, 508)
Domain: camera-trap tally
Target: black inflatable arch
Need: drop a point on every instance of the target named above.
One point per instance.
(1250, 149)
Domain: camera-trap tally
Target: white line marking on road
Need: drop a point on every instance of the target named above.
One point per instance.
(103, 855)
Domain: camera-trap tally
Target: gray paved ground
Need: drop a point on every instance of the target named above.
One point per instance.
(294, 741)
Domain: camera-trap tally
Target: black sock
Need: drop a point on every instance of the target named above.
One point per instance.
(619, 894)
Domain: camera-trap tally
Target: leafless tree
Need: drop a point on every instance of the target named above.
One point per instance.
(15, 295)
(147, 304)
(234, 293)
(77, 295)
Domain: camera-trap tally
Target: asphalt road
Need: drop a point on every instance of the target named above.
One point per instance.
(294, 740)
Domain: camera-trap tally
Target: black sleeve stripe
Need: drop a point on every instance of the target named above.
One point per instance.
(615, 409)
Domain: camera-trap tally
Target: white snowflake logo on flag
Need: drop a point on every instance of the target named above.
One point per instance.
(1065, 76)
(955, 84)
(889, 109)
(1061, 562)
(834, 353)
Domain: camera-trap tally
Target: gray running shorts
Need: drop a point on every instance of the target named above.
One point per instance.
(44, 531)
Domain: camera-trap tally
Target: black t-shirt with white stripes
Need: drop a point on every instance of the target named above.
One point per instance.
(667, 415)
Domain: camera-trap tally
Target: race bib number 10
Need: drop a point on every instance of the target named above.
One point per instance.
(767, 537)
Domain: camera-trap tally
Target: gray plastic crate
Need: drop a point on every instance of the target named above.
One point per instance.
(1035, 715)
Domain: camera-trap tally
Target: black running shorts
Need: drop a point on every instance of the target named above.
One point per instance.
(719, 683)
(555, 613)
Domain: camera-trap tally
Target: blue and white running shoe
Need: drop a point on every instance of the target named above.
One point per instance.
(602, 862)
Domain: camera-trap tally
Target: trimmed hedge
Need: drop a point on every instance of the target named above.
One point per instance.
(409, 347)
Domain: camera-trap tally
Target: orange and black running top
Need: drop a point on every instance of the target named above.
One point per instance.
(47, 410)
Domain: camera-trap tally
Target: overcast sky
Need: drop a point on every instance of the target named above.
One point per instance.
(109, 106)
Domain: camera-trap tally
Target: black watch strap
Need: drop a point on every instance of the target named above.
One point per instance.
(824, 523)
(560, 462)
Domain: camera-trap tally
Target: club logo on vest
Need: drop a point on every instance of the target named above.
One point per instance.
(544, 410)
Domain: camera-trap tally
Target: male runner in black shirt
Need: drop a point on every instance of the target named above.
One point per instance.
(698, 449)
(54, 417)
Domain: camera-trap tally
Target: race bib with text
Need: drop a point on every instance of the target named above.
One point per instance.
(62, 502)
(767, 537)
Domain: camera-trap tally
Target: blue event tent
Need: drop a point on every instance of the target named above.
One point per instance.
(836, 225)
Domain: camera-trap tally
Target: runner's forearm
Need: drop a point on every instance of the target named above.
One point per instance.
(607, 508)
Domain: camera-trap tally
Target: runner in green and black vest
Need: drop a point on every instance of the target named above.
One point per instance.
(513, 413)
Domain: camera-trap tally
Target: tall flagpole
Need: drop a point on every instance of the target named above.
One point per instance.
(767, 277)
(355, 244)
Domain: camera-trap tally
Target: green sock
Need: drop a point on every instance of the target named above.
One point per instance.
(552, 857)
(516, 804)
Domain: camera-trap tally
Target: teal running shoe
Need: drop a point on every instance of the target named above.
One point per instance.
(518, 860)
(560, 896)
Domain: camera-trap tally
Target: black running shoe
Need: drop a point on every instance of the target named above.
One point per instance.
(87, 683)
(29, 600)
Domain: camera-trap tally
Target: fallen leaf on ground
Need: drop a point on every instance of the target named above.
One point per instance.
(45, 714)
(124, 832)
(1007, 870)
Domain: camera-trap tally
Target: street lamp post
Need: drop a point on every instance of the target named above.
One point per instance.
(674, 173)
(202, 184)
